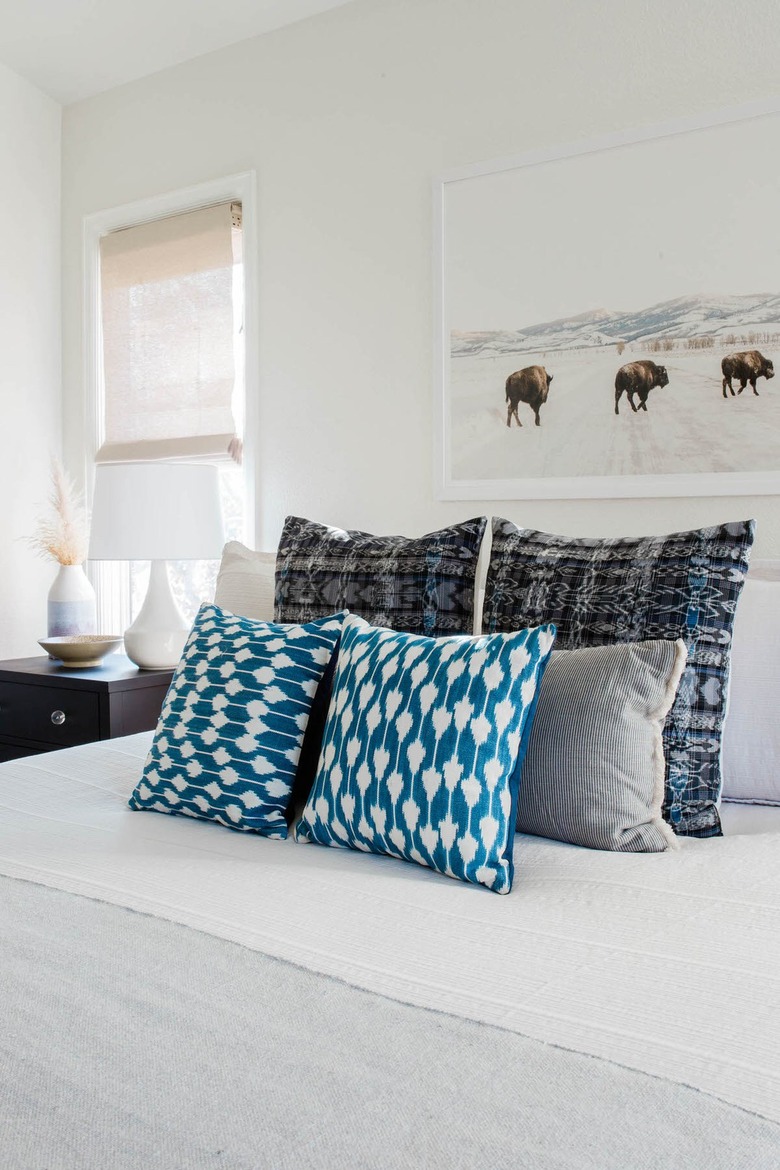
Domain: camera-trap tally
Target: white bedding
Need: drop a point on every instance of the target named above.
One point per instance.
(737, 818)
(668, 963)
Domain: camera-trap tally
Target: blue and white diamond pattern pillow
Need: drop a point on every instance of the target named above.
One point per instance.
(229, 735)
(423, 748)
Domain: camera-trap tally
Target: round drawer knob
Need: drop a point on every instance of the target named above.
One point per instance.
(58, 718)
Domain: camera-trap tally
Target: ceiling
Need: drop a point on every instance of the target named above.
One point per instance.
(72, 49)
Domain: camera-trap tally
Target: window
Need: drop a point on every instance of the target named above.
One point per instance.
(167, 370)
(170, 321)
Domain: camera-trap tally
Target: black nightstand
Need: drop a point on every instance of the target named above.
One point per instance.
(45, 706)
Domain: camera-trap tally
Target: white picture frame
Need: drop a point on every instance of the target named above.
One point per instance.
(477, 188)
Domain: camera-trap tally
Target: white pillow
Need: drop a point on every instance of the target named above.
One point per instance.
(245, 582)
(751, 736)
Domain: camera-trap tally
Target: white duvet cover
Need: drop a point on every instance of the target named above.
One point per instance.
(737, 818)
(667, 963)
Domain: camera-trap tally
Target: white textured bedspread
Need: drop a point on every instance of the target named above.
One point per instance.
(667, 963)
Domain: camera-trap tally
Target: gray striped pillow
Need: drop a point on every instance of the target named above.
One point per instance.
(594, 771)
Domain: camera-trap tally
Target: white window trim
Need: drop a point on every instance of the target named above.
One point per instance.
(240, 187)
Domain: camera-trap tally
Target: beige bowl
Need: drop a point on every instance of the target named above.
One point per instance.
(81, 650)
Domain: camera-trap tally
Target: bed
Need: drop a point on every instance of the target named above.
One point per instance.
(179, 995)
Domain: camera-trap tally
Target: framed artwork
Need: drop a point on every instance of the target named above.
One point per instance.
(608, 319)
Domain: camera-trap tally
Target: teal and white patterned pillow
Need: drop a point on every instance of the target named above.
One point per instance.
(423, 748)
(230, 732)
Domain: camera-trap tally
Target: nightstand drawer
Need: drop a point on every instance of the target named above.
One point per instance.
(16, 751)
(50, 715)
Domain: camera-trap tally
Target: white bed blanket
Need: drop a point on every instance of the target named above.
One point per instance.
(667, 963)
(736, 817)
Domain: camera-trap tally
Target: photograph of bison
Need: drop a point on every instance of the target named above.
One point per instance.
(745, 367)
(530, 385)
(624, 295)
(638, 378)
(573, 388)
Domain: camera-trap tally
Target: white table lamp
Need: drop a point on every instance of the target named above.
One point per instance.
(156, 512)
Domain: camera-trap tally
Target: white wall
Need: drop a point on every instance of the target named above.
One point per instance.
(346, 118)
(30, 402)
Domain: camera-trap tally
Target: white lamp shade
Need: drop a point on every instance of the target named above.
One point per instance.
(156, 511)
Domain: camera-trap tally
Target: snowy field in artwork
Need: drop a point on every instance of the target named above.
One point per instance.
(688, 427)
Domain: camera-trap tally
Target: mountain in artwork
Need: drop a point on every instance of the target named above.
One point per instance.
(681, 318)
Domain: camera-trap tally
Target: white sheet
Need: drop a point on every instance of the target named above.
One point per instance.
(739, 819)
(751, 733)
(668, 963)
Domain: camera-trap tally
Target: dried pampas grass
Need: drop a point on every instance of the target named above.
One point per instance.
(63, 534)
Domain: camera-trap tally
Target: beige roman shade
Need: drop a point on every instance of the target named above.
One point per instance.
(169, 337)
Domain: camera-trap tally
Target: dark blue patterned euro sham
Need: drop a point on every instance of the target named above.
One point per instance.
(422, 585)
(599, 592)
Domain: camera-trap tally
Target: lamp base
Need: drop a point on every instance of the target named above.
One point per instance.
(156, 638)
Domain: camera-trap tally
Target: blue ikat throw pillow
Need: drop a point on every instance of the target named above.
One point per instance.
(423, 748)
(230, 732)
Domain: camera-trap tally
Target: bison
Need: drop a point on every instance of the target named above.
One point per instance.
(638, 378)
(747, 367)
(530, 385)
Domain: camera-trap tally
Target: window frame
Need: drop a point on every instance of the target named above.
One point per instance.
(240, 187)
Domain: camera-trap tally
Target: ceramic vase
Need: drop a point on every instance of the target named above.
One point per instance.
(71, 608)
